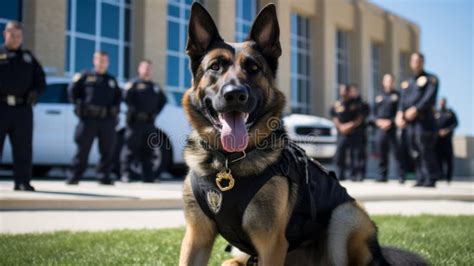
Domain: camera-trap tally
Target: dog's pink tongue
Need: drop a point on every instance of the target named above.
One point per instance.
(234, 136)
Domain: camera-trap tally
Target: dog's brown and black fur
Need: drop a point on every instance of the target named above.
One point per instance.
(350, 238)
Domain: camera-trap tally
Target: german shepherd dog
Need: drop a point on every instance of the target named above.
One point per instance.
(233, 105)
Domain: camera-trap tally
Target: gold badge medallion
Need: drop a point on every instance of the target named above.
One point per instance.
(404, 85)
(76, 77)
(3, 56)
(421, 81)
(224, 180)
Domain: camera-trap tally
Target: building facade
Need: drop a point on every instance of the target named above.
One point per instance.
(324, 42)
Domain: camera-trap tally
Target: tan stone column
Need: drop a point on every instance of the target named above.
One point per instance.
(149, 36)
(45, 32)
(223, 12)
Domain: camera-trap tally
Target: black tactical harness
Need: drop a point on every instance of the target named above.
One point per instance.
(319, 192)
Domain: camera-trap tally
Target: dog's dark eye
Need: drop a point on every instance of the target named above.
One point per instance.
(252, 68)
(215, 67)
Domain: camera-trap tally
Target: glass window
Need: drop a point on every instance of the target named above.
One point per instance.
(110, 17)
(10, 10)
(173, 71)
(112, 50)
(85, 16)
(245, 13)
(2, 27)
(178, 76)
(300, 64)
(376, 57)
(173, 36)
(94, 25)
(83, 54)
(342, 57)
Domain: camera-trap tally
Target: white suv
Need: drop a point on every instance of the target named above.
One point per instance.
(54, 123)
(316, 135)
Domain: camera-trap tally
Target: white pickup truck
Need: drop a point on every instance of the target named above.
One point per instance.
(316, 135)
(55, 122)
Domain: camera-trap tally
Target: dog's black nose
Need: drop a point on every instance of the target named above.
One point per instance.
(235, 94)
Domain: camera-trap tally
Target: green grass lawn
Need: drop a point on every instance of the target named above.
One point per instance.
(443, 240)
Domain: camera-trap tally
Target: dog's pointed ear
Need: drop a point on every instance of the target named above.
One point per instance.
(202, 30)
(265, 32)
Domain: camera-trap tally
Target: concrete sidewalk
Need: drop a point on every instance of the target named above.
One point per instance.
(14, 222)
(92, 207)
(88, 195)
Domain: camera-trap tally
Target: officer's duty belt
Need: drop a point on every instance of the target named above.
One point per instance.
(95, 111)
(12, 100)
(141, 117)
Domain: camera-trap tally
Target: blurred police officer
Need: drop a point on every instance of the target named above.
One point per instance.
(446, 121)
(385, 110)
(416, 114)
(346, 115)
(145, 100)
(21, 80)
(97, 97)
(359, 147)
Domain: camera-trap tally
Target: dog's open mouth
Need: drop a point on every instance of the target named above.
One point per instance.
(234, 135)
(233, 127)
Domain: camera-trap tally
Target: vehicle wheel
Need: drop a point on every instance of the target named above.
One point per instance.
(160, 160)
(41, 170)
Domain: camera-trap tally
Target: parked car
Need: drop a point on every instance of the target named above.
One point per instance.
(55, 122)
(316, 135)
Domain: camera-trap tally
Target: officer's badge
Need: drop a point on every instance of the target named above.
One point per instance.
(27, 58)
(76, 77)
(404, 85)
(437, 115)
(3, 56)
(421, 81)
(379, 99)
(91, 79)
(214, 200)
(394, 97)
(111, 83)
(141, 86)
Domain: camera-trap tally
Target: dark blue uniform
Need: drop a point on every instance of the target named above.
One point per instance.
(345, 111)
(21, 80)
(446, 119)
(359, 148)
(97, 101)
(145, 100)
(421, 91)
(386, 106)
